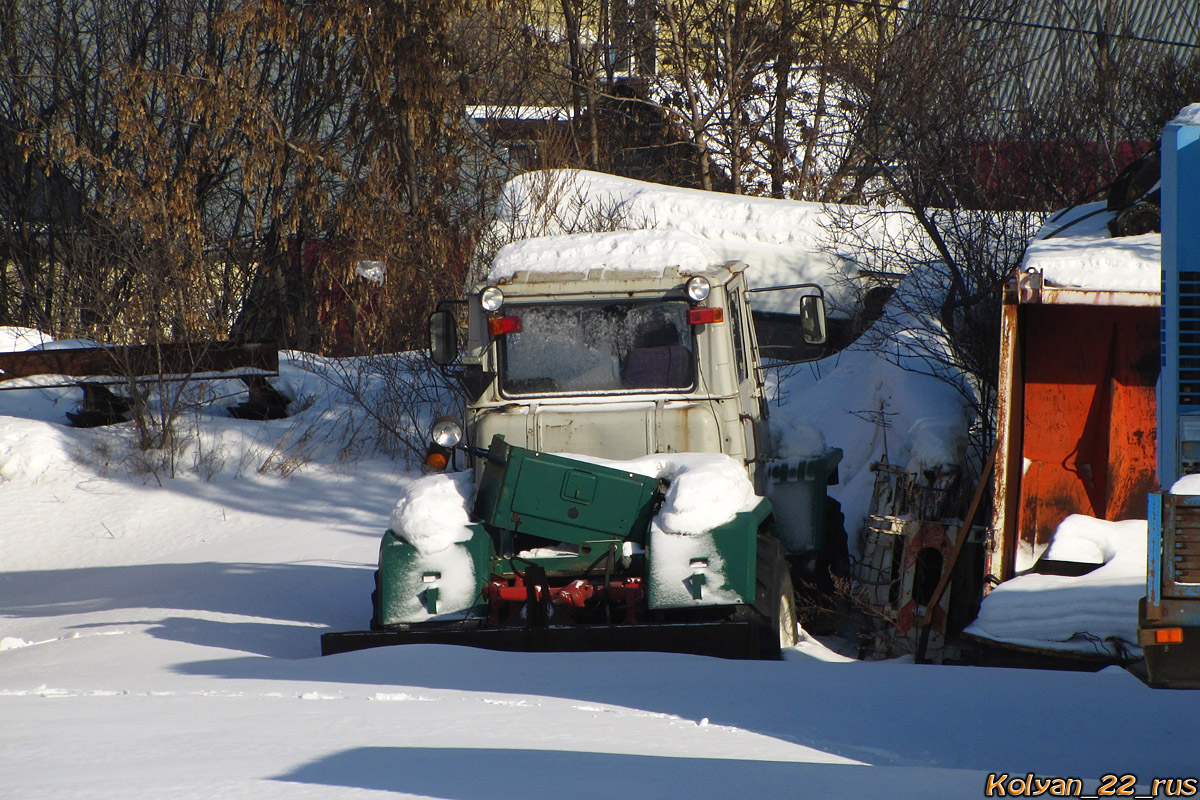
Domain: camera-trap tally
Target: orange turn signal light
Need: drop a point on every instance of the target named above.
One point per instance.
(705, 314)
(501, 325)
(1168, 636)
(436, 460)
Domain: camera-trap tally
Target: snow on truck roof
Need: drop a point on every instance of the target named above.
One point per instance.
(781, 241)
(1074, 250)
(628, 253)
(712, 216)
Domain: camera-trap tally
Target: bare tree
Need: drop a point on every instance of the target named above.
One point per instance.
(185, 151)
(956, 138)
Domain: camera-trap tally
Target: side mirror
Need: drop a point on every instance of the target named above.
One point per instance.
(812, 318)
(443, 338)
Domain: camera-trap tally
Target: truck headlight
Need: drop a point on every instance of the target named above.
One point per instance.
(446, 432)
(491, 299)
(698, 288)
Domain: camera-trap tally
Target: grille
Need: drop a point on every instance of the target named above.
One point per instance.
(1184, 545)
(1189, 340)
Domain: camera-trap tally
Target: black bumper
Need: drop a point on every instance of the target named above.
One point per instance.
(719, 639)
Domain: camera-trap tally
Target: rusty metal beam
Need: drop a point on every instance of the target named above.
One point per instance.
(1092, 297)
(1010, 413)
(1026, 288)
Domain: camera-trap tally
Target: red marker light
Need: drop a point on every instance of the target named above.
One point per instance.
(704, 315)
(502, 325)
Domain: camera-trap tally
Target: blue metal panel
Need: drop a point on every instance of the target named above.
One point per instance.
(1154, 549)
(1179, 384)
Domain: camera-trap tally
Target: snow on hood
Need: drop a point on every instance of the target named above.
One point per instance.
(706, 490)
(1078, 614)
(1075, 250)
(654, 251)
(431, 512)
(1188, 484)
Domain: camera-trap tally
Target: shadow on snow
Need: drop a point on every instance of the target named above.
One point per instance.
(513, 774)
(896, 715)
(306, 598)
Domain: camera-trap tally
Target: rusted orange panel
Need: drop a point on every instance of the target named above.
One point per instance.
(1089, 415)
(1133, 435)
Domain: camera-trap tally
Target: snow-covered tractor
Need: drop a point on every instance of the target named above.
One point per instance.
(615, 483)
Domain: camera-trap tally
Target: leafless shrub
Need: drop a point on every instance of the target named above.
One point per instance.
(387, 403)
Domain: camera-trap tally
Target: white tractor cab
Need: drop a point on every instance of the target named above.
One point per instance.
(621, 362)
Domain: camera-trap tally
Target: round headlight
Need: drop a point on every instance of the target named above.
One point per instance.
(698, 288)
(446, 432)
(491, 299)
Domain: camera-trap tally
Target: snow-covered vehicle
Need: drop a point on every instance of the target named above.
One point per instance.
(625, 491)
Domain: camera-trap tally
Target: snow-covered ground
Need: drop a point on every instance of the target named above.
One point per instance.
(159, 638)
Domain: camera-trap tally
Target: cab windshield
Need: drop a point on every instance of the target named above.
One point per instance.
(598, 348)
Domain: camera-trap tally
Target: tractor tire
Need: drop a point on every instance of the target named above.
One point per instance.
(774, 607)
(833, 560)
(376, 615)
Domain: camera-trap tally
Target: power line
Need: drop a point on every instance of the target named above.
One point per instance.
(1019, 24)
